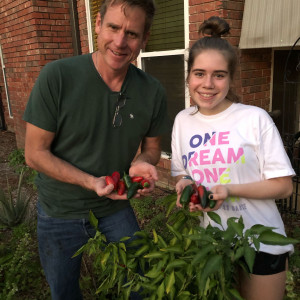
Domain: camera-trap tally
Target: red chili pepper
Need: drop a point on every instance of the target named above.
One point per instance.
(109, 180)
(121, 187)
(116, 177)
(195, 198)
(145, 183)
(201, 191)
(137, 178)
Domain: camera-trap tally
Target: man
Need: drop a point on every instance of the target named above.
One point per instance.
(86, 118)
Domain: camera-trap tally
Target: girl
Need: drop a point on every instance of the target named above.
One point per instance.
(236, 152)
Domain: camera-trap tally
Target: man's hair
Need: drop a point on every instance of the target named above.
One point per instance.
(147, 6)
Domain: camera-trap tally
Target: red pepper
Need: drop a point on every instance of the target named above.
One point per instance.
(145, 183)
(195, 198)
(116, 177)
(121, 187)
(137, 178)
(109, 180)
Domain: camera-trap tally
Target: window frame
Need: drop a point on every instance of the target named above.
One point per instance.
(183, 52)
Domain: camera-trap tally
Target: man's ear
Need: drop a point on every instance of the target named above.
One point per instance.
(98, 23)
(145, 40)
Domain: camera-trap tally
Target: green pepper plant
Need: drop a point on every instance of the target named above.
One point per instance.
(195, 263)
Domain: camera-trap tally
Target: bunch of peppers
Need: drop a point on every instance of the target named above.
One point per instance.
(127, 183)
(197, 195)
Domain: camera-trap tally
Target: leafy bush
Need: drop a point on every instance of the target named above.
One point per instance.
(196, 263)
(17, 161)
(13, 209)
(20, 271)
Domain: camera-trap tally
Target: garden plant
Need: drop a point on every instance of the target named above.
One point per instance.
(194, 263)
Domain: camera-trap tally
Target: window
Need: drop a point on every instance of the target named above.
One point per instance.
(164, 56)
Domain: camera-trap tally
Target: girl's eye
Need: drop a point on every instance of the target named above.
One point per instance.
(219, 76)
(199, 74)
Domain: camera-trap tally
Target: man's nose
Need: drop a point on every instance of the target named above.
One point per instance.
(120, 39)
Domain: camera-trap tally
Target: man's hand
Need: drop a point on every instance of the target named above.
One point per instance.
(148, 171)
(107, 190)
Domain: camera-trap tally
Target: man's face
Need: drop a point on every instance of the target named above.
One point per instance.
(120, 36)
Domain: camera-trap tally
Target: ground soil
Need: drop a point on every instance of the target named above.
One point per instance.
(7, 145)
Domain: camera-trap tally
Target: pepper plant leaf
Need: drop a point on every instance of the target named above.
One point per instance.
(274, 238)
(215, 217)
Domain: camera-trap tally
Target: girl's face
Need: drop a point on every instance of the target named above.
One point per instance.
(209, 82)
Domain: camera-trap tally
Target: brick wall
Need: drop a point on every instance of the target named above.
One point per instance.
(32, 33)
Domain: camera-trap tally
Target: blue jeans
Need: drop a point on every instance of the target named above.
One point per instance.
(59, 239)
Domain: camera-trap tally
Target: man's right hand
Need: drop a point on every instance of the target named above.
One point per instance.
(107, 190)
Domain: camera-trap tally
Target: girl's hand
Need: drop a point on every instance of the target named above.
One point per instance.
(219, 194)
(180, 185)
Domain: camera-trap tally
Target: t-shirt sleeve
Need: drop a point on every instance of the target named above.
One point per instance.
(273, 156)
(41, 109)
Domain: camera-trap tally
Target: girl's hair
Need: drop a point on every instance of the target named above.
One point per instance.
(213, 29)
(147, 6)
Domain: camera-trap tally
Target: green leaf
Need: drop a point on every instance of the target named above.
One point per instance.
(177, 263)
(237, 226)
(172, 249)
(249, 254)
(155, 237)
(259, 229)
(161, 291)
(215, 217)
(236, 295)
(93, 220)
(212, 265)
(154, 272)
(202, 253)
(154, 254)
(175, 232)
(170, 281)
(274, 238)
(239, 253)
(170, 208)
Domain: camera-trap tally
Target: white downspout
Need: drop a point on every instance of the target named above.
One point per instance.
(5, 83)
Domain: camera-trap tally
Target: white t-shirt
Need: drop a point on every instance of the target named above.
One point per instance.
(238, 145)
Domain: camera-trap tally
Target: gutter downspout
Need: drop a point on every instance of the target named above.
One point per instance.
(5, 83)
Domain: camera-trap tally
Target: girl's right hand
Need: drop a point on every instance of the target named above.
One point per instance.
(180, 185)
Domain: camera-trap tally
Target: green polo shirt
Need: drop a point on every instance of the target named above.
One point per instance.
(71, 99)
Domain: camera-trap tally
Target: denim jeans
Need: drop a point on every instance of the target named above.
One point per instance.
(59, 239)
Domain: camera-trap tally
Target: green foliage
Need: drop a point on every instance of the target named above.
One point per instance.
(16, 160)
(195, 263)
(20, 271)
(13, 209)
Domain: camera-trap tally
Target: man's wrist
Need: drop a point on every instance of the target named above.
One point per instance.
(187, 177)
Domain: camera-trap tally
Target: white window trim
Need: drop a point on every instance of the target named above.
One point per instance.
(89, 25)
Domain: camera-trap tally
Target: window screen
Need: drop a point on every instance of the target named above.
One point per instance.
(167, 31)
(169, 70)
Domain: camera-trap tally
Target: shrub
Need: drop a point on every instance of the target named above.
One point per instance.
(196, 263)
(13, 209)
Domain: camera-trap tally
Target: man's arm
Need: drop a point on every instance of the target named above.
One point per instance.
(38, 156)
